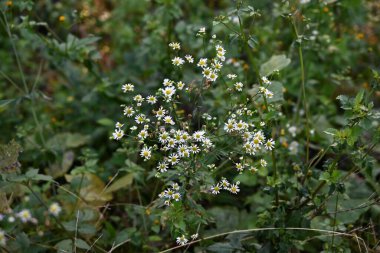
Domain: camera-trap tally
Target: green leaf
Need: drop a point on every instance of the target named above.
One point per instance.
(120, 183)
(105, 122)
(359, 98)
(331, 131)
(275, 63)
(63, 141)
(82, 244)
(5, 102)
(65, 246)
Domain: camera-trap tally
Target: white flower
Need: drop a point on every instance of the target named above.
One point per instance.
(292, 130)
(183, 150)
(175, 186)
(146, 153)
(118, 134)
(143, 134)
(265, 80)
(221, 56)
(231, 76)
(217, 65)
(140, 119)
(240, 126)
(181, 240)
(128, 87)
(213, 76)
(173, 159)
(3, 240)
(180, 85)
(138, 98)
(185, 136)
(177, 61)
(199, 135)
(194, 149)
(11, 219)
(293, 147)
(234, 188)
(230, 125)
(263, 163)
(175, 45)
(176, 196)
(207, 72)
(164, 137)
(239, 86)
(171, 143)
(160, 113)
(220, 49)
(269, 144)
(239, 167)
(225, 184)
(202, 63)
(128, 111)
(167, 82)
(268, 93)
(168, 120)
(162, 166)
(118, 125)
(24, 215)
(215, 189)
(189, 58)
(169, 193)
(194, 236)
(55, 209)
(207, 143)
(151, 100)
(168, 92)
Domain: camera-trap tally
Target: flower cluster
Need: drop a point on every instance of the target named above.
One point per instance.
(225, 185)
(179, 146)
(171, 193)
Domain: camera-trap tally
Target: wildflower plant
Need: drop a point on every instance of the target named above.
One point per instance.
(190, 148)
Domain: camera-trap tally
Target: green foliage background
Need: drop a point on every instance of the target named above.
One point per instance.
(62, 64)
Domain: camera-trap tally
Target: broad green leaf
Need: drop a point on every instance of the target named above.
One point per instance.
(65, 246)
(82, 244)
(106, 122)
(125, 181)
(331, 131)
(275, 63)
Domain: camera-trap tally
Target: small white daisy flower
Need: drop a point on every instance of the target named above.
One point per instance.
(118, 134)
(128, 87)
(146, 153)
(55, 209)
(181, 240)
(177, 61)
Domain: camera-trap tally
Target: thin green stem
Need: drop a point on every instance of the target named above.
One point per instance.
(334, 222)
(8, 30)
(275, 175)
(304, 98)
(11, 81)
(141, 204)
